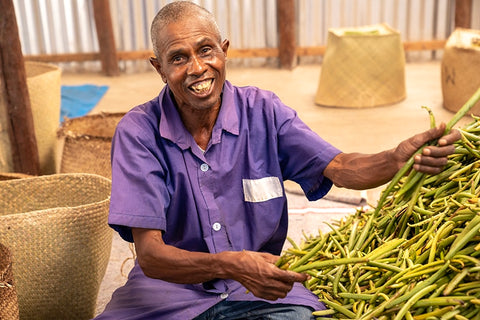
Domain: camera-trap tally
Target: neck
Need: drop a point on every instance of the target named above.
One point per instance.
(200, 123)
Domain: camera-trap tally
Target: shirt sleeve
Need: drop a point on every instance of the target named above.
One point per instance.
(139, 190)
(303, 153)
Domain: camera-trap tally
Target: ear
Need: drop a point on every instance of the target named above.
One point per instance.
(225, 46)
(154, 62)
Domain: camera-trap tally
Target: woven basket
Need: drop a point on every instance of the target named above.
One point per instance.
(460, 69)
(43, 83)
(56, 228)
(362, 67)
(87, 142)
(8, 292)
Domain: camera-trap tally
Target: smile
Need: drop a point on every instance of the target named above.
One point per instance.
(202, 86)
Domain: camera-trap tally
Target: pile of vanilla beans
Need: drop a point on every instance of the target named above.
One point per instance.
(415, 255)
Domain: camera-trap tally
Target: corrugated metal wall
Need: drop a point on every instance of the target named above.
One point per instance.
(67, 26)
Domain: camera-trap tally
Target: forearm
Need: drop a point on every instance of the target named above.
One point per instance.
(256, 271)
(362, 171)
(168, 263)
(365, 171)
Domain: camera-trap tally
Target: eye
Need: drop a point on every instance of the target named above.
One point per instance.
(206, 50)
(178, 59)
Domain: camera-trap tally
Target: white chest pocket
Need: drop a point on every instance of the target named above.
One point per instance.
(258, 190)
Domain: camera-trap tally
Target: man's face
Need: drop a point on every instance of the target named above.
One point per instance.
(192, 62)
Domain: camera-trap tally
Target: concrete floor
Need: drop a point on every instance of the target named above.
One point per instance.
(352, 130)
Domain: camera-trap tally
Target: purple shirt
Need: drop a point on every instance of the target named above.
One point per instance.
(228, 197)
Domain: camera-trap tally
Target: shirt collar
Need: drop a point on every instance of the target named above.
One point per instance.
(171, 126)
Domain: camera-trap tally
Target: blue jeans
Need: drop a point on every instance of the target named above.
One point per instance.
(256, 310)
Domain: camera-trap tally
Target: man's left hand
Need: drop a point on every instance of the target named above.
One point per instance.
(432, 159)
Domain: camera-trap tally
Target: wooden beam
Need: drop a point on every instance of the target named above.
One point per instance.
(253, 53)
(287, 41)
(106, 40)
(424, 45)
(311, 51)
(13, 76)
(463, 14)
(233, 53)
(64, 57)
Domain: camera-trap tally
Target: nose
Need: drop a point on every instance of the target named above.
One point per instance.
(196, 66)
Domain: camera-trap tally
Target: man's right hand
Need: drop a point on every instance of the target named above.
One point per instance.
(257, 272)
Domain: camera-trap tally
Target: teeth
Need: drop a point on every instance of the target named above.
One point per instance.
(202, 86)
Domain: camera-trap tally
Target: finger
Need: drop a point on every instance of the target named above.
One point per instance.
(450, 138)
(427, 169)
(272, 289)
(437, 152)
(272, 296)
(270, 257)
(286, 279)
(278, 287)
(435, 133)
(297, 277)
(420, 139)
(430, 161)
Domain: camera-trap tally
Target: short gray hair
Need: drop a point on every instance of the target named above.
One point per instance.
(176, 11)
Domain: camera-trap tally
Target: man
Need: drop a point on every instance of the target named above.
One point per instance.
(197, 184)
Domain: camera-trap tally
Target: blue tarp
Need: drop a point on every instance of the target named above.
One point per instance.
(79, 100)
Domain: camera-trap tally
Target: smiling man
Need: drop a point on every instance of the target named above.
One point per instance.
(197, 184)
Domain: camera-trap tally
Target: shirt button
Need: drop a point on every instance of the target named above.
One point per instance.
(204, 167)
(224, 295)
(216, 226)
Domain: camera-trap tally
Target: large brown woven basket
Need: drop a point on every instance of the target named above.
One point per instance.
(8, 292)
(460, 66)
(56, 228)
(86, 143)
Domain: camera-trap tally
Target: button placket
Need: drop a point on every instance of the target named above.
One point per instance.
(206, 179)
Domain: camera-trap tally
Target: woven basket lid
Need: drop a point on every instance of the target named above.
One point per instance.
(464, 38)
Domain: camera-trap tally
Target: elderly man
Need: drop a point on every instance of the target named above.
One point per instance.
(197, 184)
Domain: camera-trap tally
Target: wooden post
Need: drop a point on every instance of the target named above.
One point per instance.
(106, 40)
(13, 77)
(463, 14)
(287, 41)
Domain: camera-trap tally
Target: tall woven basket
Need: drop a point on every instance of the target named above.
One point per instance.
(8, 291)
(56, 228)
(43, 83)
(86, 143)
(362, 67)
